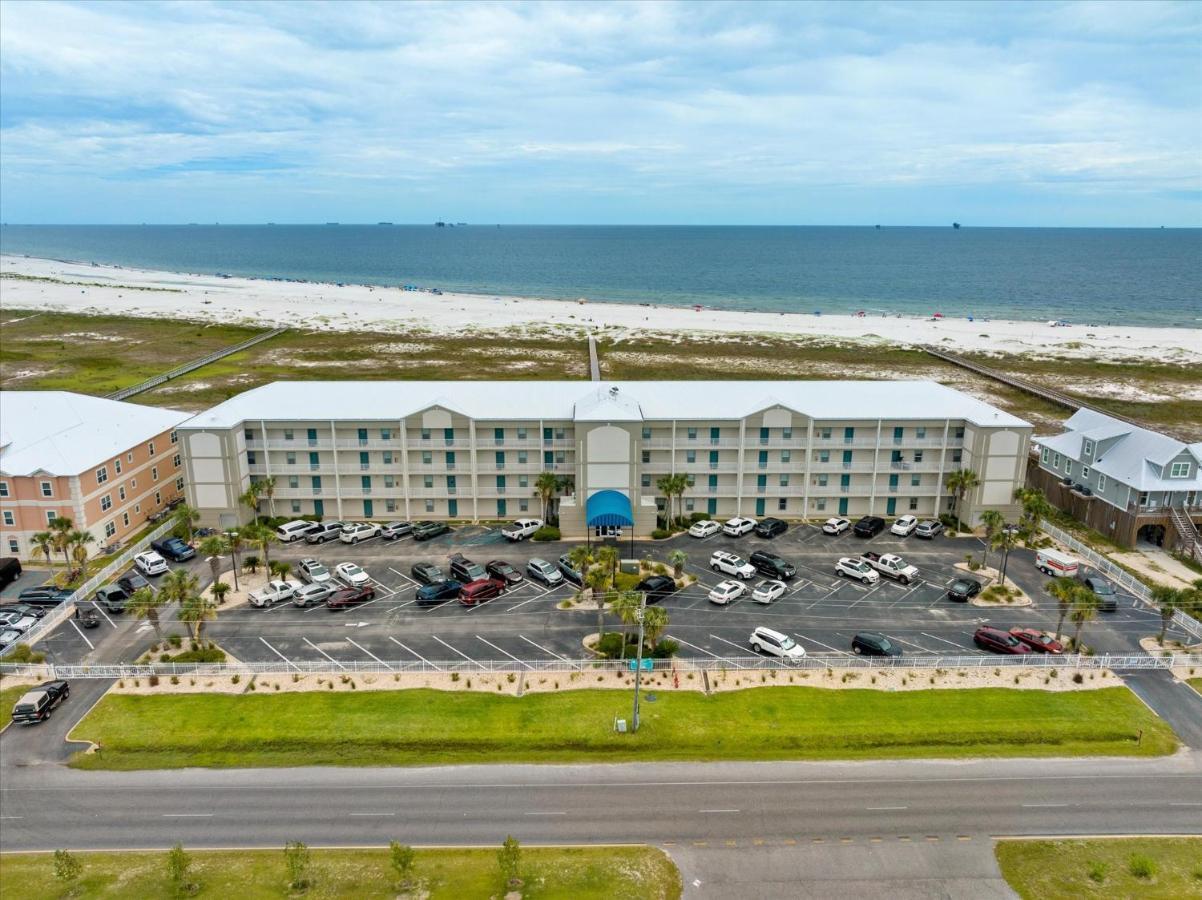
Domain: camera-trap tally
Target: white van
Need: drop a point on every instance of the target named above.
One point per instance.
(294, 531)
(1053, 562)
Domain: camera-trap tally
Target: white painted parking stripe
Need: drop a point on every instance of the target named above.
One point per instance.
(941, 640)
(524, 602)
(279, 654)
(540, 647)
(706, 652)
(415, 653)
(506, 652)
(915, 646)
(403, 575)
(369, 653)
(820, 644)
(102, 612)
(732, 643)
(81, 634)
(326, 655)
(452, 649)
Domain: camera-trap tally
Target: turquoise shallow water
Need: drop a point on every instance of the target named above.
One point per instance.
(1098, 276)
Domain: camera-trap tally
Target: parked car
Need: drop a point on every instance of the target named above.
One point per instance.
(132, 582)
(770, 528)
(111, 597)
(773, 643)
(904, 526)
(869, 526)
(767, 591)
(464, 570)
(731, 564)
(1038, 640)
(928, 529)
(705, 528)
(727, 591)
(358, 531)
(481, 591)
(345, 598)
(857, 569)
(312, 571)
(173, 548)
(997, 641)
(10, 570)
(892, 565)
(351, 575)
(37, 704)
(541, 570)
(424, 531)
(276, 591)
(9, 636)
(150, 563)
(313, 593)
(325, 531)
(394, 530)
(21, 622)
(1108, 600)
(24, 609)
(438, 593)
(869, 643)
(772, 565)
(835, 526)
(521, 529)
(738, 526)
(569, 571)
(503, 571)
(295, 530)
(657, 587)
(426, 573)
(963, 589)
(44, 596)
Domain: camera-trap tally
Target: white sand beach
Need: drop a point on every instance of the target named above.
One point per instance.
(97, 289)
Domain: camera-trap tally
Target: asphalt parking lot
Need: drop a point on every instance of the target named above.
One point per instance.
(819, 610)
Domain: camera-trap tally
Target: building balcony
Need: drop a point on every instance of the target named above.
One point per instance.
(368, 444)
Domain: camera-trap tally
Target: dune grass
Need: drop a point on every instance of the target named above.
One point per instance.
(427, 727)
(1147, 868)
(584, 873)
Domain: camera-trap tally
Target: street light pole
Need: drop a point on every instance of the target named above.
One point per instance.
(638, 666)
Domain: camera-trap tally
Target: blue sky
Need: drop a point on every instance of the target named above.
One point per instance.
(744, 113)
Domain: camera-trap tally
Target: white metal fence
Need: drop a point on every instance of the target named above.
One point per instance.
(925, 664)
(64, 611)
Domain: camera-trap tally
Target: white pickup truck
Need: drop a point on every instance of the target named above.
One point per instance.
(892, 565)
(273, 592)
(521, 529)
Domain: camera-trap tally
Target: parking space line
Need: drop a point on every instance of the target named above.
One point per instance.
(911, 644)
(415, 653)
(541, 647)
(452, 649)
(908, 593)
(725, 641)
(820, 644)
(506, 652)
(369, 653)
(403, 575)
(706, 652)
(326, 655)
(279, 654)
(102, 612)
(941, 640)
(81, 634)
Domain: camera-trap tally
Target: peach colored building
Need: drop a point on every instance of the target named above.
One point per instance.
(106, 465)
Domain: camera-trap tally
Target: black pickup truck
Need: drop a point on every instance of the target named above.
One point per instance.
(36, 704)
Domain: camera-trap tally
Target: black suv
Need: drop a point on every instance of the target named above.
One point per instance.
(656, 587)
(43, 596)
(770, 528)
(1108, 601)
(426, 573)
(132, 582)
(869, 526)
(466, 571)
(438, 593)
(869, 643)
(772, 565)
(963, 589)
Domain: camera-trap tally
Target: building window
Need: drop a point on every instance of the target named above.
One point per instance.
(251, 458)
(820, 480)
(646, 433)
(248, 433)
(1179, 470)
(3, 488)
(296, 506)
(523, 505)
(824, 434)
(129, 457)
(820, 504)
(175, 437)
(158, 498)
(293, 481)
(913, 503)
(1143, 498)
(917, 456)
(920, 432)
(782, 504)
(646, 456)
(110, 528)
(125, 519)
(915, 480)
(786, 456)
(121, 493)
(386, 434)
(287, 434)
(137, 508)
(428, 481)
(689, 503)
(117, 464)
(102, 475)
(1084, 472)
(106, 502)
(957, 456)
(425, 434)
(154, 473)
(522, 457)
(429, 506)
(523, 481)
(1068, 467)
(1056, 461)
(646, 480)
(560, 434)
(47, 489)
(692, 432)
(176, 460)
(784, 480)
(427, 457)
(179, 484)
(14, 547)
(1087, 450)
(133, 482)
(1101, 483)
(390, 506)
(51, 515)
(824, 456)
(150, 447)
(1044, 454)
(787, 434)
(959, 434)
(690, 456)
(389, 481)
(521, 434)
(8, 518)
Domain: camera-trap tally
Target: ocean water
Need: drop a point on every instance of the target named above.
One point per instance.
(1088, 276)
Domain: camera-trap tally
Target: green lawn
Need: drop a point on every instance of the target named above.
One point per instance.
(1069, 869)
(426, 727)
(1196, 684)
(567, 873)
(8, 699)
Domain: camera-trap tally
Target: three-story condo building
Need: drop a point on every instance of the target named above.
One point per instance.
(474, 450)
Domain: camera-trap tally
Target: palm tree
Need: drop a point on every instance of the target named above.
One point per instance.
(607, 559)
(1169, 600)
(546, 485)
(1036, 508)
(43, 544)
(79, 541)
(261, 536)
(627, 605)
(281, 569)
(678, 558)
(250, 499)
(655, 623)
(1065, 591)
(267, 489)
(194, 611)
(178, 584)
(214, 547)
(185, 517)
(960, 482)
(144, 604)
(1085, 609)
(220, 589)
(597, 580)
(60, 529)
(234, 541)
(993, 522)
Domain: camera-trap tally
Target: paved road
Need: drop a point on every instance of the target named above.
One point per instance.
(1174, 701)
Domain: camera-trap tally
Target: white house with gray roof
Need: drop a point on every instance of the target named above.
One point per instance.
(1128, 482)
(472, 450)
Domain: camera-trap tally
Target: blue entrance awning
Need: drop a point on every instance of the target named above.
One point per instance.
(609, 508)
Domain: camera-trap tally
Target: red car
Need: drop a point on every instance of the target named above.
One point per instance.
(480, 590)
(345, 598)
(998, 641)
(1037, 640)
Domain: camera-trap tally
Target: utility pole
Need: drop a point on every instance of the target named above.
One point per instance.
(1008, 533)
(638, 666)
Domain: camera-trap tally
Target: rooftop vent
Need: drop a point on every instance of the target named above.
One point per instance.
(613, 391)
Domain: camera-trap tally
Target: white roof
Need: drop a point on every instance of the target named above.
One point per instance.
(1138, 458)
(372, 401)
(61, 433)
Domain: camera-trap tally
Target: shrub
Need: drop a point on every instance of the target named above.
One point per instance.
(546, 533)
(666, 648)
(175, 640)
(610, 645)
(509, 860)
(234, 679)
(175, 679)
(178, 865)
(153, 680)
(402, 858)
(296, 860)
(511, 678)
(1078, 678)
(1141, 866)
(1097, 871)
(659, 534)
(454, 676)
(207, 655)
(66, 867)
(22, 653)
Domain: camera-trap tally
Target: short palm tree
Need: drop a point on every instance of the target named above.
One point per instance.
(250, 499)
(144, 604)
(1085, 609)
(43, 544)
(627, 605)
(597, 581)
(178, 584)
(185, 518)
(678, 558)
(960, 482)
(581, 556)
(61, 529)
(546, 485)
(220, 589)
(1036, 508)
(267, 489)
(1065, 591)
(234, 541)
(258, 535)
(79, 546)
(1169, 600)
(655, 623)
(993, 522)
(280, 569)
(194, 611)
(214, 547)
